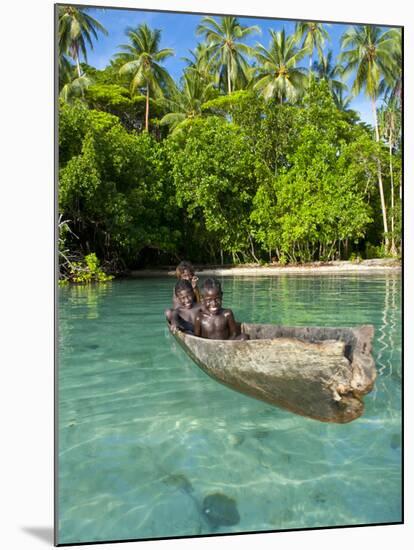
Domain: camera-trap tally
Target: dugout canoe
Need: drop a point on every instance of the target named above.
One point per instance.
(318, 372)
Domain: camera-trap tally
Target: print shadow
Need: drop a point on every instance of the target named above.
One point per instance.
(42, 533)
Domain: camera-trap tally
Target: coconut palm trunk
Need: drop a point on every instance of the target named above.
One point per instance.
(372, 58)
(141, 60)
(227, 50)
(76, 30)
(393, 247)
(380, 184)
(147, 109)
(75, 55)
(229, 76)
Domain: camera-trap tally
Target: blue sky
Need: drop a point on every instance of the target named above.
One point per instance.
(178, 32)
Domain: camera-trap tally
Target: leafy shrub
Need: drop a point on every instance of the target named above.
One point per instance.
(88, 271)
(355, 258)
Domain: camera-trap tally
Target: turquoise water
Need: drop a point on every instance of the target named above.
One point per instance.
(148, 442)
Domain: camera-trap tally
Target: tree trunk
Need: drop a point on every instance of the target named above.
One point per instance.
(78, 66)
(228, 78)
(252, 249)
(393, 247)
(278, 256)
(381, 187)
(75, 56)
(147, 109)
(331, 250)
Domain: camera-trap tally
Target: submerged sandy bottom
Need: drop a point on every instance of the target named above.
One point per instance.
(148, 443)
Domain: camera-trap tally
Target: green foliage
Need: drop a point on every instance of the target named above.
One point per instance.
(141, 61)
(355, 258)
(88, 271)
(116, 100)
(225, 39)
(249, 179)
(245, 160)
(115, 190)
(186, 102)
(73, 124)
(224, 105)
(372, 251)
(214, 175)
(278, 75)
(316, 199)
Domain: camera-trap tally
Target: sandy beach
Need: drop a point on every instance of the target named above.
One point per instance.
(317, 268)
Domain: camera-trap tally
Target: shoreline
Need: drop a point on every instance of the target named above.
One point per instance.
(365, 266)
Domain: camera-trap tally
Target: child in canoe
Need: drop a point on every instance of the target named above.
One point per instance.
(212, 321)
(183, 316)
(185, 272)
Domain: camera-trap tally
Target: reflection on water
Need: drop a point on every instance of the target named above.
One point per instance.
(149, 446)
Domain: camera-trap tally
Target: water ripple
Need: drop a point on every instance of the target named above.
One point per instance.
(134, 411)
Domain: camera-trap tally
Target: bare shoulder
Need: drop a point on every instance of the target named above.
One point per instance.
(199, 313)
(228, 313)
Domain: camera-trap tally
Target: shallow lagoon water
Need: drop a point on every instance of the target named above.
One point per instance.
(149, 446)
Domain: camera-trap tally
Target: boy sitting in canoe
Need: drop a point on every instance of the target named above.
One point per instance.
(185, 272)
(212, 321)
(183, 316)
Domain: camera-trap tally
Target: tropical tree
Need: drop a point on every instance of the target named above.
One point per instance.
(325, 69)
(113, 187)
(392, 82)
(277, 74)
(227, 49)
(313, 36)
(64, 70)
(201, 62)
(342, 101)
(71, 86)
(214, 177)
(369, 53)
(185, 103)
(76, 28)
(316, 201)
(389, 121)
(141, 61)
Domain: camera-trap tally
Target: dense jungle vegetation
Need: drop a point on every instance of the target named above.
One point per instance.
(251, 157)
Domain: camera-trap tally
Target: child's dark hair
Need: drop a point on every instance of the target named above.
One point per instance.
(182, 266)
(182, 284)
(211, 284)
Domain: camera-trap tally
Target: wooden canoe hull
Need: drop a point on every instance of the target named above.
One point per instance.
(317, 372)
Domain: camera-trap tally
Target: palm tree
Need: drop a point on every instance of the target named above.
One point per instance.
(186, 103)
(76, 29)
(392, 82)
(141, 60)
(224, 38)
(201, 62)
(277, 74)
(313, 36)
(324, 69)
(341, 101)
(389, 121)
(371, 57)
(71, 85)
